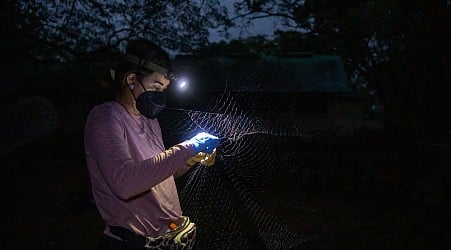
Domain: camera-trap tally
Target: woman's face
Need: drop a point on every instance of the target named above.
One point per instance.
(153, 82)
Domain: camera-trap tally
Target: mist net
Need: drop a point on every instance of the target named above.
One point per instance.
(229, 201)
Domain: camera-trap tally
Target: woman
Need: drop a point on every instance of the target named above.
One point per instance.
(131, 173)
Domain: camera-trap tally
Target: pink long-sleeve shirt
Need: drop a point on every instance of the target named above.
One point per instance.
(131, 173)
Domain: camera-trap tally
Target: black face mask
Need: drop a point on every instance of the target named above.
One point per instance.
(151, 103)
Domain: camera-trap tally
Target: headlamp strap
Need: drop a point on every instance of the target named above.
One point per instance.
(146, 64)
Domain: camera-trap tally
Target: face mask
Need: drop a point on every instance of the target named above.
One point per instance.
(151, 103)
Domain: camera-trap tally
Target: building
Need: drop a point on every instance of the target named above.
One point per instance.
(303, 92)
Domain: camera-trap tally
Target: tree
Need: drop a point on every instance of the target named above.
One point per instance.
(71, 29)
(393, 49)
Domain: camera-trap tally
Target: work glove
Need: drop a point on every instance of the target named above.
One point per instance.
(203, 158)
(204, 142)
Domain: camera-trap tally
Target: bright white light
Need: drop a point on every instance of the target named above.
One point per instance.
(183, 84)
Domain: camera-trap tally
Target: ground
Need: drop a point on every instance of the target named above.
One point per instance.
(47, 202)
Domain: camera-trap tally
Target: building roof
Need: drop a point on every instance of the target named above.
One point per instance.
(305, 73)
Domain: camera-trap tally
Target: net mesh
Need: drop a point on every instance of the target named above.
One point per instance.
(228, 201)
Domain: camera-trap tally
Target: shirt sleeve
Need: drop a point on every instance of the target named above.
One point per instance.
(182, 170)
(105, 143)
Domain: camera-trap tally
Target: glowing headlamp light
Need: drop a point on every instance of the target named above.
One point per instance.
(181, 83)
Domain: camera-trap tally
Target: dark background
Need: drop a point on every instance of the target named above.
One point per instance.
(379, 189)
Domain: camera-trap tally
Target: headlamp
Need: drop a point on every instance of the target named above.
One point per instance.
(171, 76)
(146, 64)
(181, 83)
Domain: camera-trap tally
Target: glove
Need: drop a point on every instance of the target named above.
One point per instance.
(204, 142)
(203, 158)
(196, 159)
(209, 159)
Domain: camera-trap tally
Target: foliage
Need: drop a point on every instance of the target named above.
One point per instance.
(393, 49)
(78, 27)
